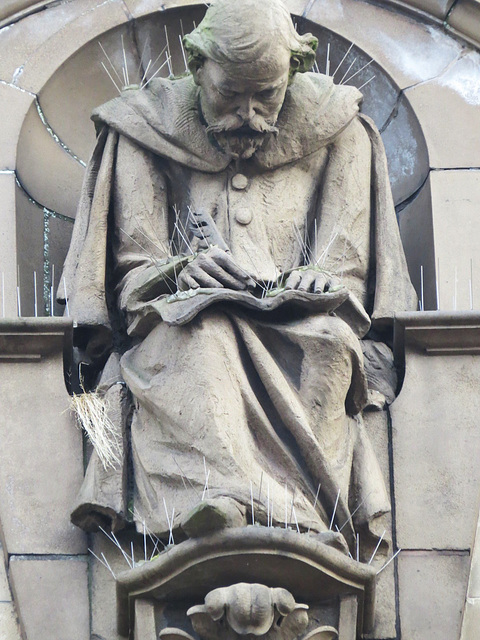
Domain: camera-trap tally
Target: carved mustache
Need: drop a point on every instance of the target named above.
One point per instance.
(231, 124)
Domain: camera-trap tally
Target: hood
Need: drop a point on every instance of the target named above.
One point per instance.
(164, 118)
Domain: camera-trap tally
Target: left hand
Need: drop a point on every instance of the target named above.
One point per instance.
(311, 280)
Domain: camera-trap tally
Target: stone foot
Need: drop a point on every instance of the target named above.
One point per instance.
(333, 539)
(213, 515)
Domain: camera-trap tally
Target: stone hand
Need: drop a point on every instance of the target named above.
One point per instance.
(215, 269)
(312, 280)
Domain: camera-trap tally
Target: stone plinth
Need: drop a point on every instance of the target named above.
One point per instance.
(41, 469)
(436, 447)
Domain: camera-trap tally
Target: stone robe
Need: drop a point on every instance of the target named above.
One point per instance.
(261, 406)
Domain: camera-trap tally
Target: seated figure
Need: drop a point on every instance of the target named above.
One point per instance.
(235, 238)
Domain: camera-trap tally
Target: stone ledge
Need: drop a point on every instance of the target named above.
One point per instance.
(31, 339)
(437, 332)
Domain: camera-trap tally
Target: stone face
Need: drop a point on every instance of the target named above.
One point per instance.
(37, 583)
(435, 421)
(432, 594)
(448, 108)
(456, 228)
(41, 465)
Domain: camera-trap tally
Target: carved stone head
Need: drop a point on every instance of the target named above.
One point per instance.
(243, 55)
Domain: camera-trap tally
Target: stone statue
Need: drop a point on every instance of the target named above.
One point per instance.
(235, 237)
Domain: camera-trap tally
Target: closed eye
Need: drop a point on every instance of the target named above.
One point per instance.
(268, 93)
(226, 93)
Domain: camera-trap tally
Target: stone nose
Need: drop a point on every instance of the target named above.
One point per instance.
(246, 109)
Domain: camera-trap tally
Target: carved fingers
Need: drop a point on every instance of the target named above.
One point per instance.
(311, 280)
(215, 269)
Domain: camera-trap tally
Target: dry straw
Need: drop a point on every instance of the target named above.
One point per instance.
(91, 412)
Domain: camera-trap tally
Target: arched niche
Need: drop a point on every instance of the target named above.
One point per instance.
(57, 136)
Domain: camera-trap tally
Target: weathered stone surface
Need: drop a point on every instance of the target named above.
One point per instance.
(407, 155)
(471, 619)
(448, 108)
(474, 579)
(5, 595)
(60, 232)
(456, 228)
(376, 424)
(30, 246)
(407, 49)
(47, 172)
(380, 94)
(22, 41)
(356, 69)
(416, 229)
(38, 583)
(432, 592)
(471, 614)
(38, 45)
(465, 18)
(151, 37)
(14, 8)
(438, 8)
(15, 104)
(9, 628)
(139, 8)
(385, 606)
(8, 245)
(435, 422)
(81, 84)
(103, 594)
(41, 465)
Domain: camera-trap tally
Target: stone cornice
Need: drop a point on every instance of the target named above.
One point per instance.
(31, 339)
(438, 332)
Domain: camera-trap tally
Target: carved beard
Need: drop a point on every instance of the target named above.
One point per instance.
(241, 141)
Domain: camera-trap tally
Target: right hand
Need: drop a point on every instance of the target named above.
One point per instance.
(214, 269)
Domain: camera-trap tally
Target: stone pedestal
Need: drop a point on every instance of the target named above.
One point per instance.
(41, 469)
(265, 581)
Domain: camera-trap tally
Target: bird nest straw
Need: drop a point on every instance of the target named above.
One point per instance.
(91, 412)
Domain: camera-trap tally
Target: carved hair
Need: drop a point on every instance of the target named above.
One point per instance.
(239, 31)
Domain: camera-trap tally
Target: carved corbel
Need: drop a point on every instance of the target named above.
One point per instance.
(250, 610)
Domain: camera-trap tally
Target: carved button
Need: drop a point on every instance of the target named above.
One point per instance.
(239, 181)
(243, 216)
